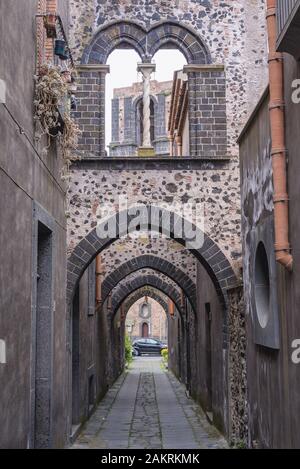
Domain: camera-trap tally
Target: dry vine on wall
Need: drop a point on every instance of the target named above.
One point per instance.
(51, 91)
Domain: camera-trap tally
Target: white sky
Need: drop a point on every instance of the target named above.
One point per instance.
(123, 65)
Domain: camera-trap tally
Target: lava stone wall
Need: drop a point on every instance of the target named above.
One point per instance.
(213, 190)
(234, 33)
(122, 251)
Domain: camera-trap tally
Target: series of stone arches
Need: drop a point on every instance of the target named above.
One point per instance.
(146, 42)
(209, 254)
(123, 291)
(145, 292)
(155, 263)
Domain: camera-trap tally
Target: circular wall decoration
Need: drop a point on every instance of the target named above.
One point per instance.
(262, 285)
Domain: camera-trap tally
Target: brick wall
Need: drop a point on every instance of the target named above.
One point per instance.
(45, 46)
(90, 112)
(207, 112)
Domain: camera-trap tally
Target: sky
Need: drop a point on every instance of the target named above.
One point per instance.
(123, 72)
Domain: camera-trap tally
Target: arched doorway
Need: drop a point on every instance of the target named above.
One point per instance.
(145, 330)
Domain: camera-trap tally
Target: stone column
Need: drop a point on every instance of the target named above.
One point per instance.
(146, 69)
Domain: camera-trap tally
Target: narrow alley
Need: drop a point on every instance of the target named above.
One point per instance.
(147, 408)
(149, 206)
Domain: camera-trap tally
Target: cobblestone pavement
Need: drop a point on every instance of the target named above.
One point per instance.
(147, 408)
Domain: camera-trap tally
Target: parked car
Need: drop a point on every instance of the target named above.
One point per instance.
(148, 346)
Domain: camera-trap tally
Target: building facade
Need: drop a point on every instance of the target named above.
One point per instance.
(147, 319)
(272, 296)
(33, 240)
(127, 119)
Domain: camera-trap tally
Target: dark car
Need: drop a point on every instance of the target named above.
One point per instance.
(148, 346)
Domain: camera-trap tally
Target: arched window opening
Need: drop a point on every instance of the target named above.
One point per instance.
(131, 129)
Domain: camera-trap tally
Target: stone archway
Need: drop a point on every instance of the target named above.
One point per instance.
(155, 263)
(123, 291)
(145, 41)
(209, 254)
(150, 293)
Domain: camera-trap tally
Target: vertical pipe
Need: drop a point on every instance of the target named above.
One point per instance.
(277, 122)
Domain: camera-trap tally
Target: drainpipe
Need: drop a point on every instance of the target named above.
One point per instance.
(277, 121)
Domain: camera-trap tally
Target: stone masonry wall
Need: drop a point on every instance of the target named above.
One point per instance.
(90, 190)
(234, 32)
(121, 252)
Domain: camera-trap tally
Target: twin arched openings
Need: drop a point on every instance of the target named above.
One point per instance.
(146, 42)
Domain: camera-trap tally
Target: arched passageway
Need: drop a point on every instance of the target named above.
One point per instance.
(174, 288)
(197, 311)
(156, 263)
(208, 253)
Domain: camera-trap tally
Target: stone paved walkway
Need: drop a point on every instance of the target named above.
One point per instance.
(148, 409)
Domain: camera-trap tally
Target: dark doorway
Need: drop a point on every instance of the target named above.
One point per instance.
(91, 391)
(188, 349)
(43, 348)
(208, 319)
(75, 360)
(145, 330)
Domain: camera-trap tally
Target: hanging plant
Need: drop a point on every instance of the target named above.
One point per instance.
(69, 142)
(50, 90)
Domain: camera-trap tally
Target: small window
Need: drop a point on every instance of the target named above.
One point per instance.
(262, 285)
